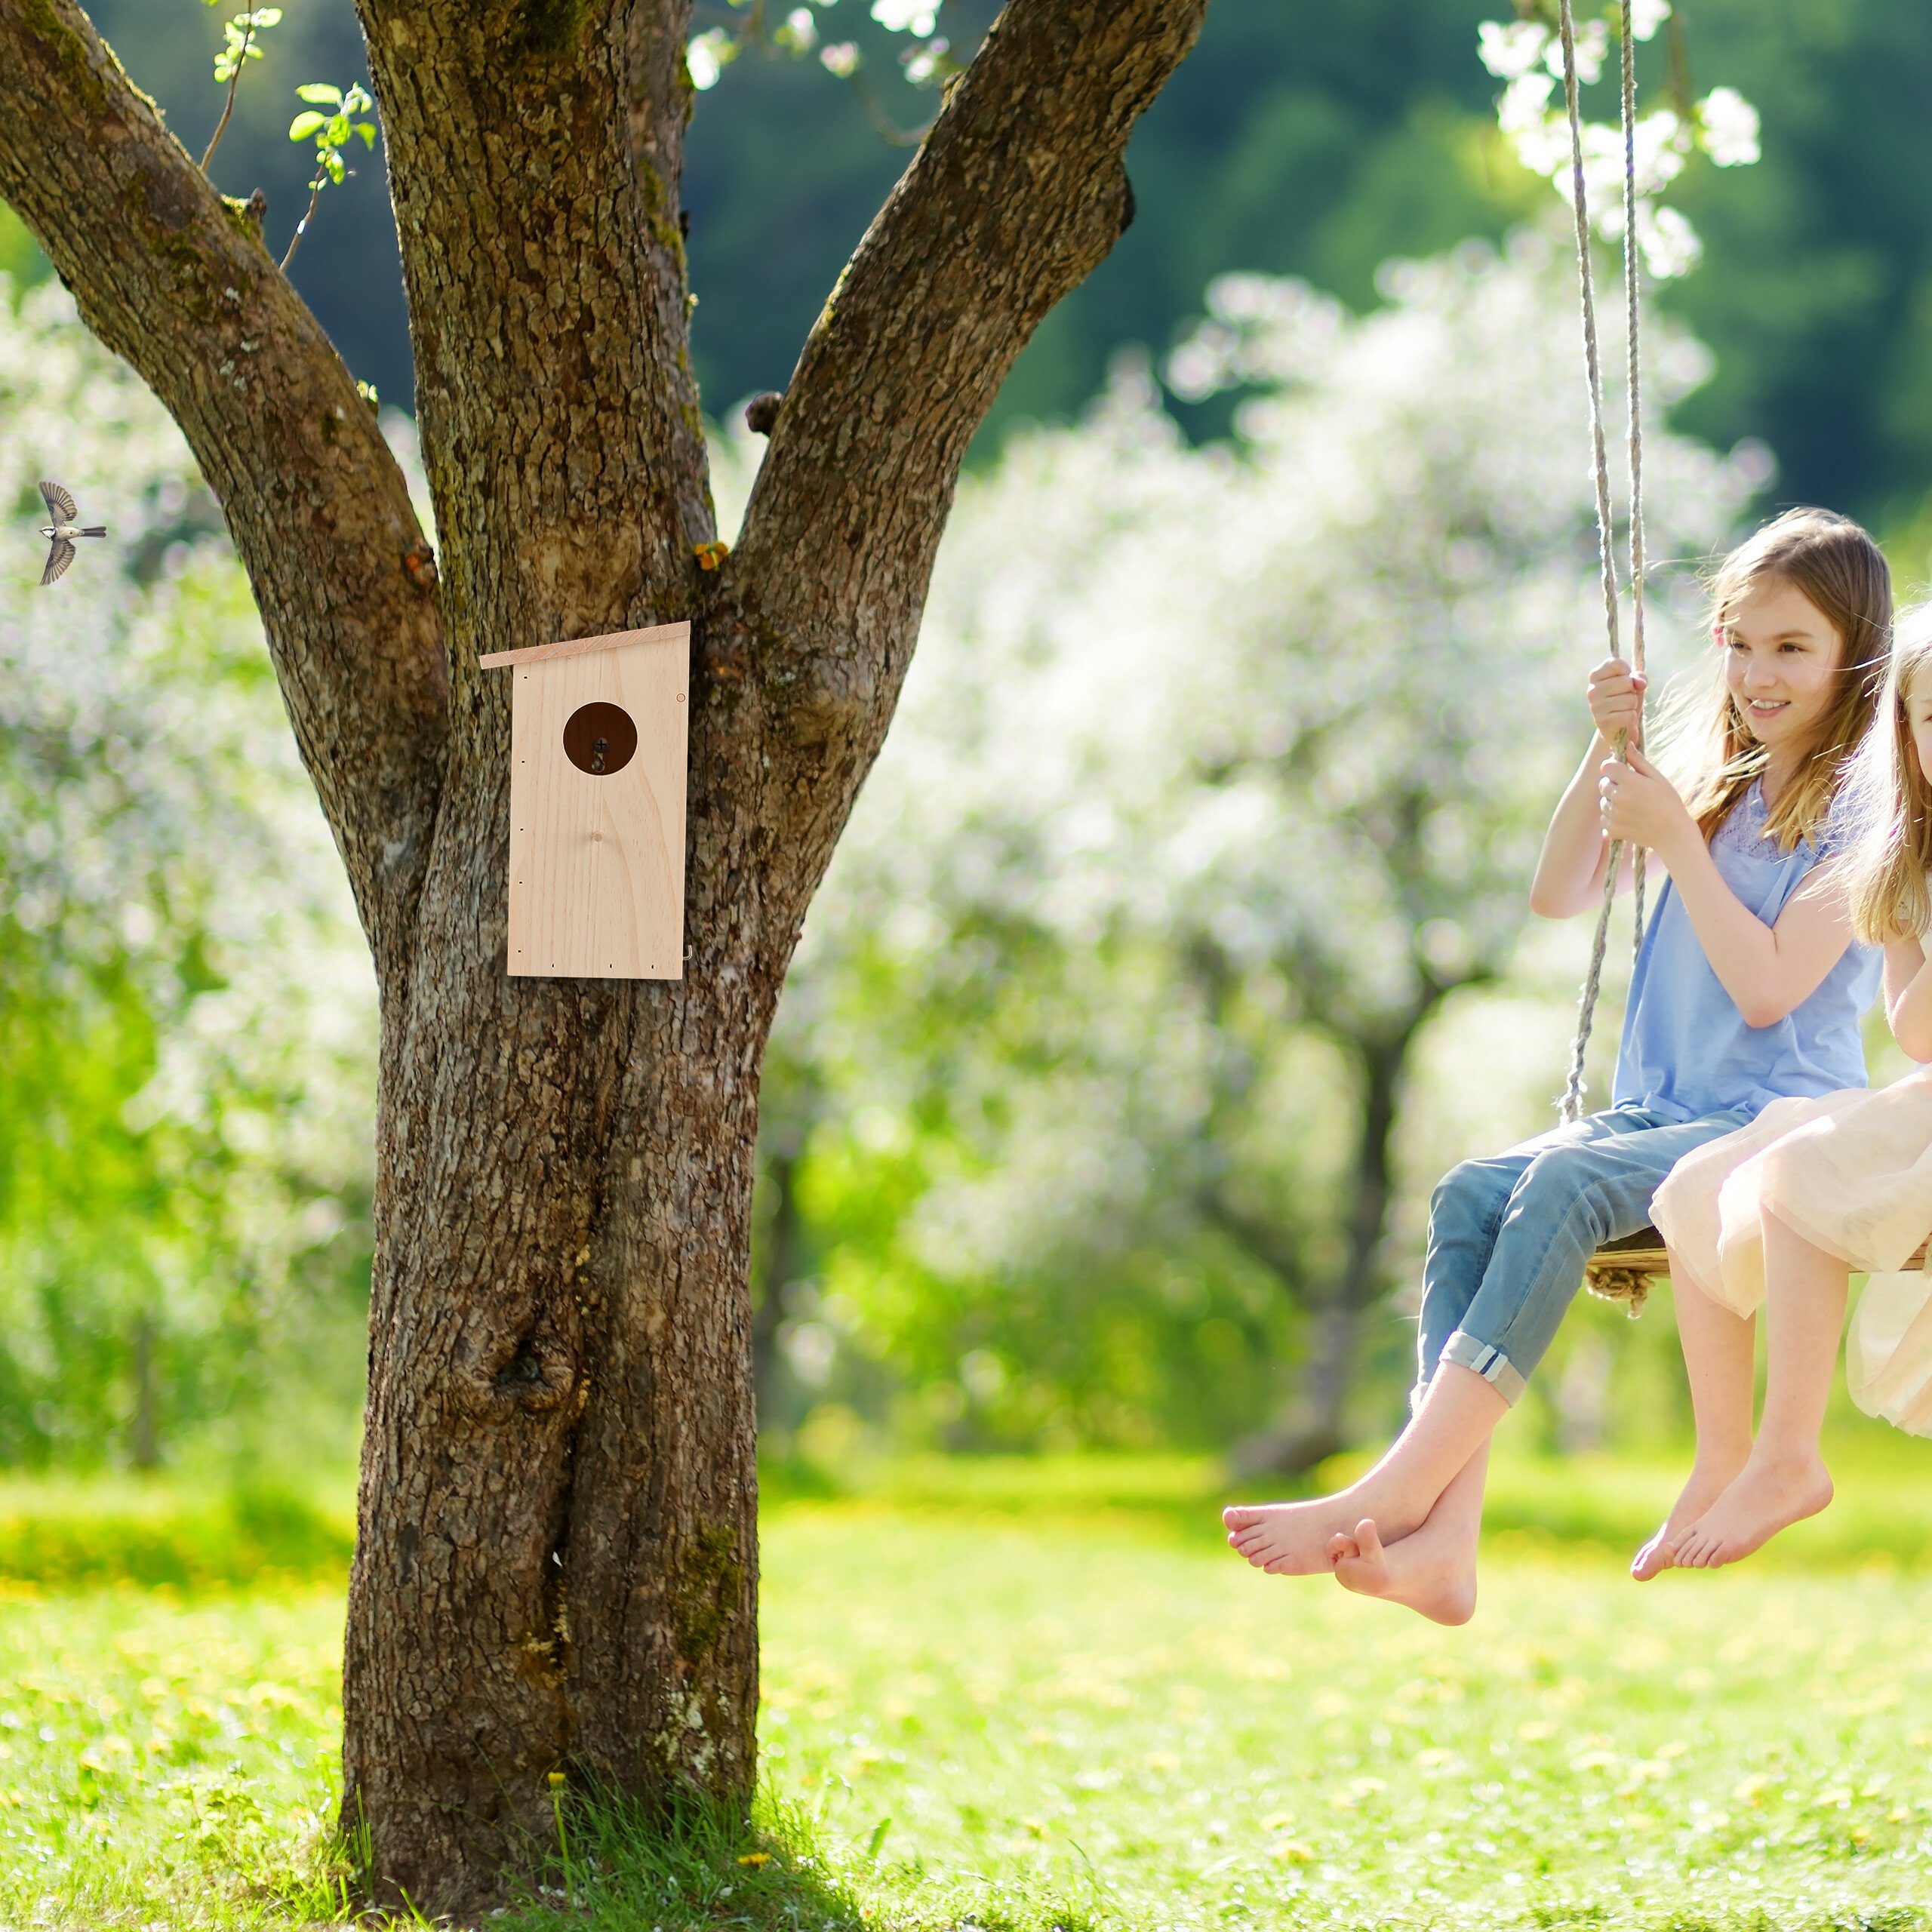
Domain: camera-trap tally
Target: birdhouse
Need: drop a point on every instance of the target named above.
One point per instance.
(598, 736)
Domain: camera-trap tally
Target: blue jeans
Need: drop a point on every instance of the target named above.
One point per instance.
(1509, 1237)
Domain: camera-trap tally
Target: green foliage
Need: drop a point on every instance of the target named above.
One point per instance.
(332, 123)
(182, 1199)
(240, 43)
(334, 130)
(71, 1535)
(242, 39)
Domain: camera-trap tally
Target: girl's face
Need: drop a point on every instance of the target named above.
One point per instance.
(1781, 654)
(1917, 699)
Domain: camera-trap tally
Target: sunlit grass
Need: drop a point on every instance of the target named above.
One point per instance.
(1082, 1713)
(1165, 1738)
(165, 1757)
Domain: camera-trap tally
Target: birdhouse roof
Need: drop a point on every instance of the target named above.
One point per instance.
(579, 647)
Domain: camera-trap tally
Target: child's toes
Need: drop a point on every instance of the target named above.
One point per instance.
(1343, 1548)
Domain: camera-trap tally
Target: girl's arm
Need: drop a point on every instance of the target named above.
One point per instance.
(1767, 970)
(1570, 870)
(1909, 997)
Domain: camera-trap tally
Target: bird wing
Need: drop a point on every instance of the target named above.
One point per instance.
(58, 558)
(59, 502)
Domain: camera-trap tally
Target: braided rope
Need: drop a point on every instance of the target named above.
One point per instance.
(1634, 384)
(1573, 1087)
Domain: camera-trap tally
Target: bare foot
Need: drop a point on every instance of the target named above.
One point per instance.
(1710, 1478)
(1429, 1572)
(1767, 1497)
(1292, 1539)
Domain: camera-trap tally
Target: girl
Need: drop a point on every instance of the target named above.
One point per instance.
(1782, 1212)
(1747, 988)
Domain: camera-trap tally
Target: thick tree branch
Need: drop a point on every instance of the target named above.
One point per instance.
(1017, 194)
(176, 280)
(534, 150)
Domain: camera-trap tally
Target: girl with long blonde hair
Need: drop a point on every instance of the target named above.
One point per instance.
(1782, 1213)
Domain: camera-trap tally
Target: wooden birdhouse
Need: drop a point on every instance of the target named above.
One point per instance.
(597, 736)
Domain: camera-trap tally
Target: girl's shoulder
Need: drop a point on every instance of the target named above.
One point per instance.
(1745, 828)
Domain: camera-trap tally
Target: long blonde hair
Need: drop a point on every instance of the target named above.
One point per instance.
(1839, 568)
(1887, 867)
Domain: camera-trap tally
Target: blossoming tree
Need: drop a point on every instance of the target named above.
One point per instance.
(1254, 744)
(184, 1068)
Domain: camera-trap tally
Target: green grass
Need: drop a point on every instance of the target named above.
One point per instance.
(1019, 1695)
(67, 1534)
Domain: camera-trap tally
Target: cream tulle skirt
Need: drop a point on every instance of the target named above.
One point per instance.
(1852, 1173)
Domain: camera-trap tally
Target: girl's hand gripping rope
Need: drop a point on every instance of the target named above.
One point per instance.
(1616, 699)
(1639, 806)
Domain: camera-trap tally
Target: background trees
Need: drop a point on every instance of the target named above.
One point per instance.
(186, 1019)
(1218, 776)
(1818, 258)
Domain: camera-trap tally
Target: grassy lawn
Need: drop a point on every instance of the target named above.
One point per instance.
(1023, 1696)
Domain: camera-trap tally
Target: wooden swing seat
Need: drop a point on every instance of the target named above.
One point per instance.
(1623, 1270)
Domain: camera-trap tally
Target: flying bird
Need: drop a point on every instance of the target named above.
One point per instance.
(62, 529)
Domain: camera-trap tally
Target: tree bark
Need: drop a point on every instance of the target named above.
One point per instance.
(556, 1564)
(1315, 1426)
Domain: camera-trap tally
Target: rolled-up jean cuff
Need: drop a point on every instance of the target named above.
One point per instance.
(1486, 1360)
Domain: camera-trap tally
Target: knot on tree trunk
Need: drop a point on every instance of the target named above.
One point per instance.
(526, 1374)
(419, 563)
(762, 412)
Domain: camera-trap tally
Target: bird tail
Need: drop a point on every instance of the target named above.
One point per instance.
(97, 529)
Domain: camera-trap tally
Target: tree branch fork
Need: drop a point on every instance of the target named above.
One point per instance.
(1015, 195)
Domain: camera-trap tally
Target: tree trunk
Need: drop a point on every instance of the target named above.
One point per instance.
(556, 1562)
(144, 1426)
(1315, 1427)
(781, 1259)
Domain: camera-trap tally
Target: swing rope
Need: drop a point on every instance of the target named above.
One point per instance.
(1572, 1095)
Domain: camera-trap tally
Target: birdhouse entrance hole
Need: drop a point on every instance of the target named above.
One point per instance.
(600, 739)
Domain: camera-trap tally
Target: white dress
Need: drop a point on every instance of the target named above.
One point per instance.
(1852, 1173)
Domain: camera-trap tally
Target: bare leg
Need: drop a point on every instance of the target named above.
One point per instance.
(1719, 1361)
(1454, 1421)
(1433, 1571)
(1786, 1478)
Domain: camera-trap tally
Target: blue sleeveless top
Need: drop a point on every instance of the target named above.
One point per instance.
(1686, 1051)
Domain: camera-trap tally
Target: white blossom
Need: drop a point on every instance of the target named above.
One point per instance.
(1671, 246)
(1510, 51)
(1591, 43)
(1646, 15)
(915, 16)
(840, 57)
(1533, 117)
(1730, 127)
(707, 56)
(923, 62)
